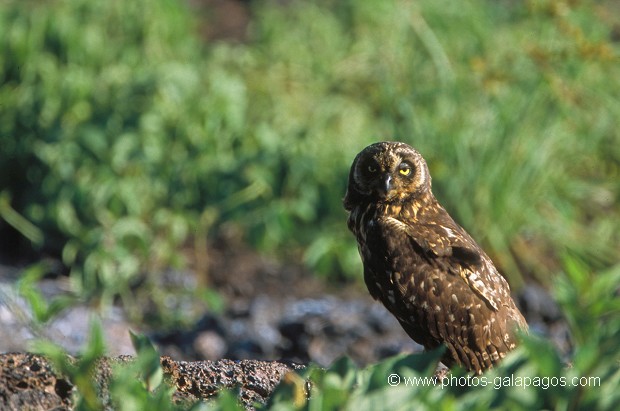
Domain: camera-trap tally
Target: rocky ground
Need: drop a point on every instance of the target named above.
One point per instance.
(272, 311)
(30, 381)
(274, 316)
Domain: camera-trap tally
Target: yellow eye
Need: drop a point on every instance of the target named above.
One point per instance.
(405, 171)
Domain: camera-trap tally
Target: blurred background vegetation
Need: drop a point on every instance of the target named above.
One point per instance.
(127, 137)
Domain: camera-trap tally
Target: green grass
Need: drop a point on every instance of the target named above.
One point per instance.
(531, 377)
(125, 138)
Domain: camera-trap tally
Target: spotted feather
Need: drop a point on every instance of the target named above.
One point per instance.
(424, 267)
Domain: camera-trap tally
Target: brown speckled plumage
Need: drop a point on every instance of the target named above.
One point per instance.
(426, 270)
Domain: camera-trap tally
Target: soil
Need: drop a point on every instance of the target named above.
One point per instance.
(281, 311)
(277, 318)
(272, 311)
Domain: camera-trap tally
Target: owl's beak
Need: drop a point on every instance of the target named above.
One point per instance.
(387, 183)
(385, 186)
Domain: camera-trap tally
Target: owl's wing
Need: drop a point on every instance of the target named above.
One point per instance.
(449, 246)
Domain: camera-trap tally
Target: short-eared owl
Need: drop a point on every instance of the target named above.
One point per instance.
(426, 270)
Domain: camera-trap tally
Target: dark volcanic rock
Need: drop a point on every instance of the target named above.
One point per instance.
(317, 330)
(28, 381)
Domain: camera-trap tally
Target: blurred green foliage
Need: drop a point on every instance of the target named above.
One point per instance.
(80, 371)
(532, 377)
(124, 385)
(124, 136)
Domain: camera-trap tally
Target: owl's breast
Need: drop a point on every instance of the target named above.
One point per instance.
(392, 261)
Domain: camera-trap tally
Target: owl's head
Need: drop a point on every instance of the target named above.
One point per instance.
(387, 172)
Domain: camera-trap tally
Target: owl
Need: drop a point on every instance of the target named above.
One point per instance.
(424, 268)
